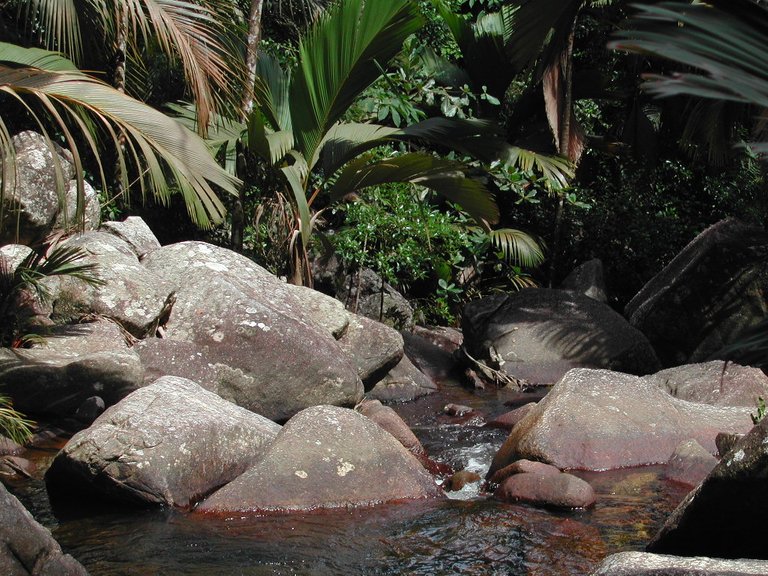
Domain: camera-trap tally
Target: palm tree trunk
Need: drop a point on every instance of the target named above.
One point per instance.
(251, 57)
(564, 144)
(119, 83)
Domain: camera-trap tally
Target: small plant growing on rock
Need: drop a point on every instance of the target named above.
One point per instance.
(757, 418)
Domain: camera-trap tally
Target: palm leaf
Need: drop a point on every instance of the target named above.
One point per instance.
(518, 247)
(556, 171)
(271, 91)
(168, 152)
(13, 424)
(340, 57)
(445, 177)
(57, 22)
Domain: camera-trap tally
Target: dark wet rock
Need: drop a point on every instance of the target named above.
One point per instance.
(32, 205)
(726, 441)
(598, 420)
(588, 279)
(716, 382)
(364, 293)
(14, 466)
(170, 443)
(706, 296)
(91, 215)
(134, 297)
(460, 479)
(45, 382)
(508, 420)
(457, 409)
(434, 362)
(690, 463)
(26, 547)
(242, 333)
(523, 466)
(373, 347)
(551, 490)
(326, 457)
(647, 564)
(90, 409)
(9, 448)
(539, 334)
(403, 383)
(725, 515)
(134, 232)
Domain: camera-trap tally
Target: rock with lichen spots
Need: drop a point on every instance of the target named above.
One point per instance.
(326, 457)
(170, 443)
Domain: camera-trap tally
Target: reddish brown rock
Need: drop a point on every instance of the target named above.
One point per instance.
(523, 466)
(508, 420)
(389, 420)
(599, 420)
(690, 463)
(460, 479)
(326, 457)
(555, 490)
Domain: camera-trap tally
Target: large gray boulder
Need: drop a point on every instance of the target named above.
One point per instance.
(32, 203)
(716, 382)
(646, 564)
(170, 443)
(133, 296)
(44, 382)
(600, 420)
(373, 347)
(101, 335)
(725, 515)
(26, 547)
(134, 232)
(539, 334)
(245, 335)
(588, 279)
(714, 289)
(326, 457)
(90, 218)
(402, 383)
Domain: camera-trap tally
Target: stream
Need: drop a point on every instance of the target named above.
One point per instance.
(469, 533)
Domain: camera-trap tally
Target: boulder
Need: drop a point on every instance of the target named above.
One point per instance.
(725, 515)
(646, 564)
(373, 347)
(402, 383)
(718, 383)
(363, 292)
(91, 216)
(588, 279)
(134, 297)
(9, 448)
(508, 420)
(100, 335)
(460, 479)
(390, 421)
(26, 547)
(326, 457)
(599, 420)
(445, 337)
(134, 232)
(690, 463)
(31, 205)
(523, 466)
(170, 443)
(53, 383)
(713, 290)
(539, 334)
(549, 490)
(322, 310)
(432, 360)
(245, 335)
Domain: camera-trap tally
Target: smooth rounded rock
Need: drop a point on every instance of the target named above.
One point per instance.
(553, 490)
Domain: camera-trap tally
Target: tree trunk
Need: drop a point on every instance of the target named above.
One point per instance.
(119, 83)
(251, 57)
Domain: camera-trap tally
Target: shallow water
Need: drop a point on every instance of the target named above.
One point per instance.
(469, 533)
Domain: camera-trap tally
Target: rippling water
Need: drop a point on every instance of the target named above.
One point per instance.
(468, 534)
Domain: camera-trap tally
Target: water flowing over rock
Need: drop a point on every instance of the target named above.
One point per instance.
(716, 287)
(598, 420)
(326, 457)
(134, 297)
(54, 383)
(645, 564)
(539, 334)
(725, 515)
(245, 335)
(716, 382)
(169, 443)
(26, 547)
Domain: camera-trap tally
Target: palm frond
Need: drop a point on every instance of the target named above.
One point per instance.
(57, 22)
(271, 91)
(340, 57)
(60, 260)
(13, 424)
(445, 177)
(173, 159)
(556, 171)
(518, 247)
